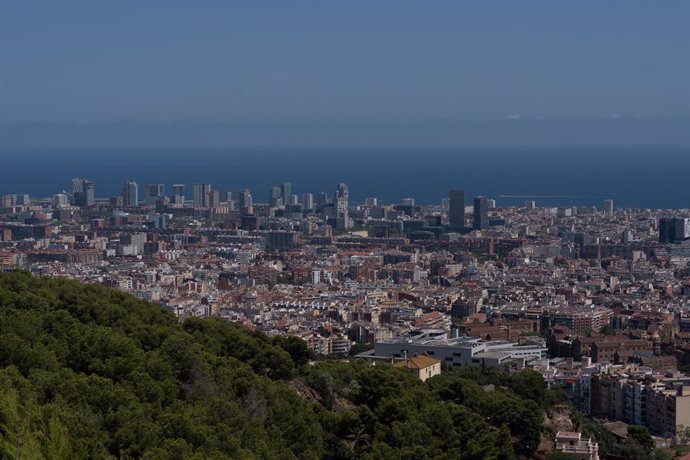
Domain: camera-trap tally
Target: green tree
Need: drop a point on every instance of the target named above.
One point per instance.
(641, 436)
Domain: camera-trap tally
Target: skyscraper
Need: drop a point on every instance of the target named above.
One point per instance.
(83, 194)
(286, 191)
(456, 212)
(130, 194)
(323, 199)
(308, 201)
(225, 196)
(213, 199)
(154, 192)
(275, 195)
(245, 198)
(480, 219)
(342, 203)
(178, 194)
(200, 197)
(673, 230)
(89, 193)
(608, 207)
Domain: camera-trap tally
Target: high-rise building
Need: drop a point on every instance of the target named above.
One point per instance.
(22, 199)
(213, 199)
(245, 198)
(481, 213)
(342, 203)
(323, 199)
(371, 201)
(286, 191)
(530, 204)
(608, 207)
(308, 201)
(342, 197)
(154, 192)
(77, 185)
(456, 212)
(673, 230)
(293, 200)
(83, 194)
(130, 194)
(225, 197)
(408, 201)
(89, 194)
(200, 196)
(177, 194)
(6, 201)
(60, 200)
(275, 195)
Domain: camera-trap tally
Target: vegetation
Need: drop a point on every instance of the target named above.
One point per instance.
(89, 372)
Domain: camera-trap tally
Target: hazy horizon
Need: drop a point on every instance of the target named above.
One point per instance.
(331, 135)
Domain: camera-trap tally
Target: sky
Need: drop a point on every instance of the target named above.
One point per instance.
(95, 61)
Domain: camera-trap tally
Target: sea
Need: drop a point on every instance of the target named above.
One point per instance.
(633, 177)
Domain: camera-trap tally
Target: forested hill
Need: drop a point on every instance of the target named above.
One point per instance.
(89, 372)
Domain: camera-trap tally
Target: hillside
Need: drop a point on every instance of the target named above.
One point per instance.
(89, 372)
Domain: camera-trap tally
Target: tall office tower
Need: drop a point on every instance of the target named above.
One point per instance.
(673, 230)
(154, 192)
(286, 191)
(456, 212)
(530, 204)
(308, 201)
(342, 202)
(293, 200)
(491, 203)
(177, 194)
(323, 199)
(481, 213)
(213, 199)
(83, 194)
(245, 198)
(225, 196)
(274, 194)
(371, 201)
(608, 207)
(408, 201)
(130, 194)
(200, 197)
(89, 193)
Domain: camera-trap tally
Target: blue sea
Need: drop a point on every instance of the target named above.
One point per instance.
(634, 177)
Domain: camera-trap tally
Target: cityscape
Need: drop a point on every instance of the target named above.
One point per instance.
(308, 230)
(595, 299)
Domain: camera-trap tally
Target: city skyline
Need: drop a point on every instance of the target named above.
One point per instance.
(345, 230)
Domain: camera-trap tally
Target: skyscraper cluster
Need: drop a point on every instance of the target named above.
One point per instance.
(83, 193)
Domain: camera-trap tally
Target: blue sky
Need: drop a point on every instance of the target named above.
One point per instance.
(70, 61)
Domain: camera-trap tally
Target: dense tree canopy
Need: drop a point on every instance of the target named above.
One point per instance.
(89, 372)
